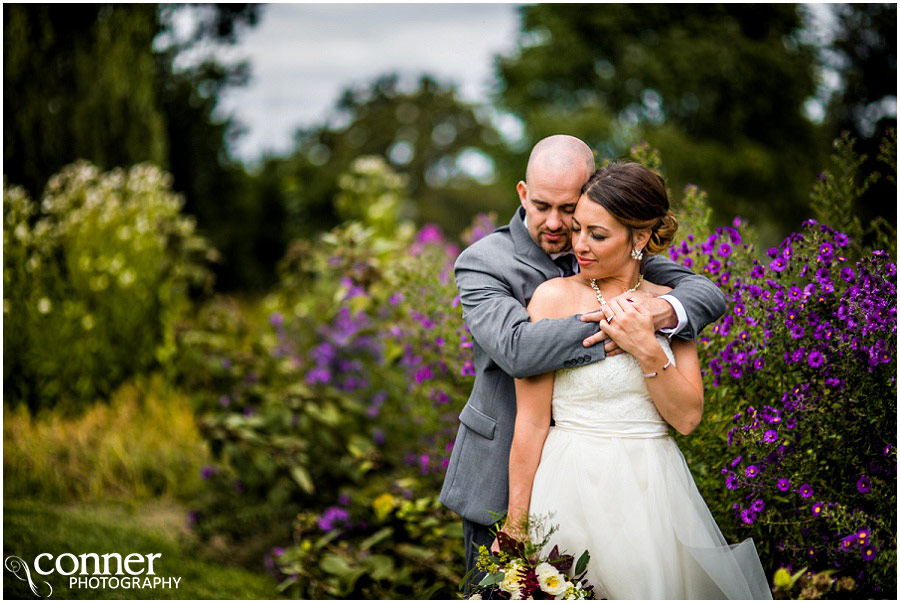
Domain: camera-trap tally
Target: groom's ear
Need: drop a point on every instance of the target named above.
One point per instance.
(522, 189)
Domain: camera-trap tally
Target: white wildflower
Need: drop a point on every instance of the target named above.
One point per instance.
(126, 278)
(44, 306)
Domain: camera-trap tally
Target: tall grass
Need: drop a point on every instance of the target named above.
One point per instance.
(144, 443)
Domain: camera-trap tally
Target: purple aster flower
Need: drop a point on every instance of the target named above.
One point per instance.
(815, 359)
(751, 471)
(758, 364)
(778, 265)
(863, 485)
(731, 482)
(424, 374)
(207, 471)
(826, 250)
(332, 518)
(797, 332)
(823, 274)
(713, 267)
(848, 542)
(847, 275)
(737, 460)
(736, 371)
(276, 319)
(818, 508)
(784, 484)
(805, 491)
(748, 516)
(468, 369)
(758, 505)
(757, 272)
(841, 240)
(378, 437)
(724, 250)
(869, 553)
(770, 436)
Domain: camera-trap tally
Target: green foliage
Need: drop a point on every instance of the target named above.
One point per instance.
(94, 279)
(837, 193)
(143, 444)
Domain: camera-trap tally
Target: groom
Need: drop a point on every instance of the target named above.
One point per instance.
(496, 278)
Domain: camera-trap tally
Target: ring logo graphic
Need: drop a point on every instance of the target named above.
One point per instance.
(90, 570)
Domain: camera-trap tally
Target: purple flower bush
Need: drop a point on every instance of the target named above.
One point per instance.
(801, 385)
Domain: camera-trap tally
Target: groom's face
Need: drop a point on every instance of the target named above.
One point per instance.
(549, 200)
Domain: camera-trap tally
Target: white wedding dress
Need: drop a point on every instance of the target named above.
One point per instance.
(617, 485)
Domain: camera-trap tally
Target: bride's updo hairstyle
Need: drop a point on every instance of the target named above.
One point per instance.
(635, 196)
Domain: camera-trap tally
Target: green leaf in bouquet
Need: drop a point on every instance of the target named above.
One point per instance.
(582, 563)
(301, 476)
(491, 579)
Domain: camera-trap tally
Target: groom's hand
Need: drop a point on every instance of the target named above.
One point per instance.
(602, 316)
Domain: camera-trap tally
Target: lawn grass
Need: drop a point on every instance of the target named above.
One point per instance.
(31, 528)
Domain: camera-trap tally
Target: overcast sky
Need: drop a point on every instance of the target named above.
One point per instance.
(303, 55)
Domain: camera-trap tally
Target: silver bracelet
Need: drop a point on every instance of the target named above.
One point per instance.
(651, 375)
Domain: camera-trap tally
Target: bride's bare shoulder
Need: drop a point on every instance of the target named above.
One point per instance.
(552, 299)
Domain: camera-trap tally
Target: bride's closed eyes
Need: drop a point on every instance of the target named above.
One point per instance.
(594, 235)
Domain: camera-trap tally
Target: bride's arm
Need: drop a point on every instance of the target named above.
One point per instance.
(533, 395)
(677, 391)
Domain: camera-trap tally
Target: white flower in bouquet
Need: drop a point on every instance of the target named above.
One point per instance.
(510, 582)
(550, 580)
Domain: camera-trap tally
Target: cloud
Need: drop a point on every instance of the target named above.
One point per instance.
(302, 56)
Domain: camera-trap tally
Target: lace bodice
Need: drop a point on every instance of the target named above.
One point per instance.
(610, 394)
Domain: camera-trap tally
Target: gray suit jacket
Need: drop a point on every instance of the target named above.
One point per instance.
(496, 278)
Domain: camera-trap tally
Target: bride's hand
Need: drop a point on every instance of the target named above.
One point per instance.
(631, 328)
(606, 314)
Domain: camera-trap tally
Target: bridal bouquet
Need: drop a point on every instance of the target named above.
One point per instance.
(518, 572)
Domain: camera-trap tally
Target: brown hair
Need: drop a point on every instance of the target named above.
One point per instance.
(636, 196)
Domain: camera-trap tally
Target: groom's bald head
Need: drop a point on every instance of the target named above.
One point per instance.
(557, 169)
(560, 155)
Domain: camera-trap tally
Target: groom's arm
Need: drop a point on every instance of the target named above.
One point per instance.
(703, 302)
(503, 328)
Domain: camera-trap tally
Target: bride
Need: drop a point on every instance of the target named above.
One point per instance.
(608, 472)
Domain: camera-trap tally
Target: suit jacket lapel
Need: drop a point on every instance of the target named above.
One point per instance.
(527, 251)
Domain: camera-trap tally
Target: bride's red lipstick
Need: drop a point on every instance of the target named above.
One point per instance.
(584, 261)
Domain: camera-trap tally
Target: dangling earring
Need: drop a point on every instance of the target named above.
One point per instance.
(637, 254)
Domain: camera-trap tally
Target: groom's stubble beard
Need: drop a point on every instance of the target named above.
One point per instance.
(551, 247)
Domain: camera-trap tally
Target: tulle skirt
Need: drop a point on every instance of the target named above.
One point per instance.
(632, 502)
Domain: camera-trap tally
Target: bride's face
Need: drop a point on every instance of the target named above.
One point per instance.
(601, 243)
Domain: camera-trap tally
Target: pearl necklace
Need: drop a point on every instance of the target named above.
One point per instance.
(600, 297)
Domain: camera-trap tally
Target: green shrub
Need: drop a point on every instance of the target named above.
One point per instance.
(94, 277)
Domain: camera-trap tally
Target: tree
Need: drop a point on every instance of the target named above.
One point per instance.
(719, 89)
(426, 134)
(78, 83)
(103, 83)
(864, 55)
